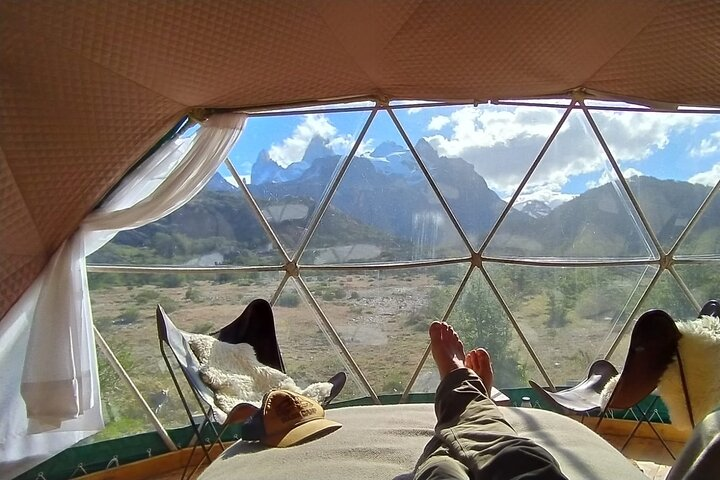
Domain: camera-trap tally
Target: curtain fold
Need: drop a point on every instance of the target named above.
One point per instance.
(49, 387)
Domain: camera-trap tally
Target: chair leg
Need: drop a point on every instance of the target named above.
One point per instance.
(601, 417)
(644, 418)
(686, 393)
(207, 449)
(217, 440)
(196, 440)
(197, 431)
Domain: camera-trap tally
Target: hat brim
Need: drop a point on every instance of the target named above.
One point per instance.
(312, 429)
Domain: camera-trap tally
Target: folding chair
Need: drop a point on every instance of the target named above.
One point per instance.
(171, 338)
(653, 346)
(711, 309)
(583, 398)
(255, 326)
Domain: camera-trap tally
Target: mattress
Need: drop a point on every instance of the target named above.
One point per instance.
(384, 442)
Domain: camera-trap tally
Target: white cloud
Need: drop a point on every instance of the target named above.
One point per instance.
(414, 110)
(708, 178)
(632, 172)
(549, 194)
(231, 180)
(608, 177)
(707, 146)
(342, 143)
(292, 149)
(502, 142)
(366, 146)
(438, 122)
(634, 136)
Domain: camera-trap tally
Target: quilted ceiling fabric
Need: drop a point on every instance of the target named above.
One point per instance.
(87, 87)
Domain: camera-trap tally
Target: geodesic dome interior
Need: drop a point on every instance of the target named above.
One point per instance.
(537, 175)
(88, 88)
(541, 233)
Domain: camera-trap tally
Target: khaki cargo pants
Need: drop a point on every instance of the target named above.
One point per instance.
(472, 440)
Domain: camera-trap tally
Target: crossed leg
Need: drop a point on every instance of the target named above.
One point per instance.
(472, 440)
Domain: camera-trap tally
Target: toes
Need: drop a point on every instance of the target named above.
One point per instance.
(447, 331)
(436, 329)
(482, 357)
(473, 363)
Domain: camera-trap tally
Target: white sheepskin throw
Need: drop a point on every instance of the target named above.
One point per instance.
(607, 390)
(233, 372)
(699, 349)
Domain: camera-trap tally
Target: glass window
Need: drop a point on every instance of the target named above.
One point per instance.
(540, 230)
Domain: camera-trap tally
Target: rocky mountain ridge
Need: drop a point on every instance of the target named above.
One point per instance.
(384, 199)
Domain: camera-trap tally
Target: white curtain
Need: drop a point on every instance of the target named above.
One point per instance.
(49, 388)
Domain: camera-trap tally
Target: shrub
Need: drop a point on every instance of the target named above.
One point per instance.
(98, 281)
(171, 280)
(448, 274)
(169, 305)
(335, 293)
(224, 277)
(394, 383)
(418, 319)
(193, 295)
(204, 328)
(145, 296)
(129, 315)
(288, 299)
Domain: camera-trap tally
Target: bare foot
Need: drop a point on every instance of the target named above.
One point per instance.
(478, 361)
(446, 347)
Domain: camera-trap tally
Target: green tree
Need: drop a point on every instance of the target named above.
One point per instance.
(164, 244)
(557, 312)
(481, 322)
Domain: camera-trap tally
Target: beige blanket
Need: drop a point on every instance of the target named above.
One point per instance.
(384, 442)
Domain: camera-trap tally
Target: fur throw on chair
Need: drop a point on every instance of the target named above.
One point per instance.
(699, 348)
(607, 391)
(235, 375)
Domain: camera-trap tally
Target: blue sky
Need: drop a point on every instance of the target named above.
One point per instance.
(502, 141)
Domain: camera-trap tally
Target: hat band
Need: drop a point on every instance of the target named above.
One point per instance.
(254, 429)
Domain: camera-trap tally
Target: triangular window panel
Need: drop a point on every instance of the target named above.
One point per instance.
(703, 239)
(428, 379)
(591, 215)
(570, 315)
(217, 227)
(307, 352)
(701, 280)
(289, 162)
(124, 313)
(121, 410)
(384, 209)
(667, 295)
(669, 160)
(477, 155)
(480, 320)
(382, 318)
(617, 357)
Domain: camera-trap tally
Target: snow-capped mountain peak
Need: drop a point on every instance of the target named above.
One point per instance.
(534, 208)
